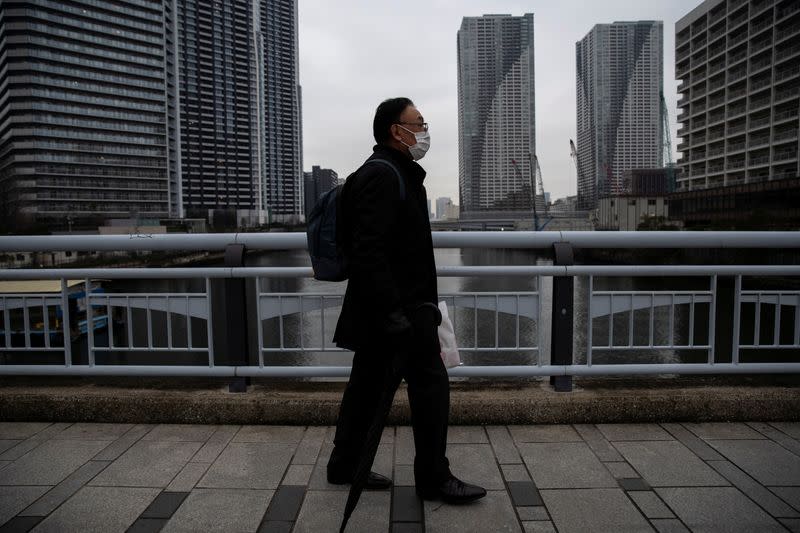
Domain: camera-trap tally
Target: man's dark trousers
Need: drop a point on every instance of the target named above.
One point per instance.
(429, 399)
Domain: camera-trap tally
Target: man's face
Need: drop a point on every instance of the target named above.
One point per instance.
(411, 122)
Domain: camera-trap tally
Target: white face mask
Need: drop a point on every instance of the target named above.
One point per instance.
(419, 149)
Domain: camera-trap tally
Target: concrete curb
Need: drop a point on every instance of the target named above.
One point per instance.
(471, 404)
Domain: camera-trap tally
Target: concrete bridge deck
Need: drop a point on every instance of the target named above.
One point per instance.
(667, 477)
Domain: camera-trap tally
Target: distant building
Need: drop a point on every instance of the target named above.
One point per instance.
(626, 213)
(618, 89)
(430, 212)
(451, 212)
(646, 181)
(441, 205)
(738, 62)
(317, 183)
(496, 113)
(83, 135)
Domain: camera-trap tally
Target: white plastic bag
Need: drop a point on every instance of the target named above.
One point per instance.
(447, 339)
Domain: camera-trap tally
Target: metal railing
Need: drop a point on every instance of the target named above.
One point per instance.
(486, 322)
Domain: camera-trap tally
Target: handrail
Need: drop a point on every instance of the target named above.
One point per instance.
(441, 239)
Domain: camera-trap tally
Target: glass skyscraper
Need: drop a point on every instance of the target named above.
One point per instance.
(619, 81)
(496, 113)
(83, 113)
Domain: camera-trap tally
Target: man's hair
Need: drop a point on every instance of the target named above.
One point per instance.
(388, 113)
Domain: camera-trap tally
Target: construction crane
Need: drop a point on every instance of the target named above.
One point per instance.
(573, 153)
(535, 177)
(667, 147)
(537, 171)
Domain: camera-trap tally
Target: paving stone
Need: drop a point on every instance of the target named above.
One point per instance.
(275, 527)
(64, 490)
(319, 477)
(21, 430)
(524, 493)
(474, 463)
(7, 445)
(504, 449)
(493, 513)
(407, 527)
(669, 525)
(533, 514)
(94, 431)
(406, 505)
(693, 442)
(764, 460)
(285, 504)
(792, 524)
(790, 428)
(147, 525)
(270, 434)
(564, 465)
(712, 509)
(4, 464)
(621, 470)
(650, 504)
(147, 464)
(217, 442)
(188, 477)
(298, 475)
(123, 444)
(633, 432)
(180, 433)
(100, 509)
(220, 510)
(310, 446)
(15, 499)
(515, 473)
(633, 484)
(249, 465)
(165, 505)
(598, 443)
(544, 433)
(20, 524)
(50, 431)
(756, 492)
(50, 463)
(668, 463)
(790, 495)
(23, 447)
(593, 510)
(466, 435)
(383, 460)
(723, 430)
(780, 437)
(404, 446)
(322, 511)
(539, 526)
(403, 475)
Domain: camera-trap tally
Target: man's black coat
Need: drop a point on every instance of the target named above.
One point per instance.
(388, 243)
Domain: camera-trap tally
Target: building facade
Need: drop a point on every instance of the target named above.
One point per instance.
(83, 113)
(441, 206)
(619, 81)
(739, 66)
(496, 113)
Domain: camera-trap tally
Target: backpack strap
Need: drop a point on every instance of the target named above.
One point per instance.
(397, 173)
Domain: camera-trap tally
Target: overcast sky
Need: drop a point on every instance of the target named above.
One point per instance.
(356, 53)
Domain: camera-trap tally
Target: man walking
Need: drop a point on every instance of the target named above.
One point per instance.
(389, 315)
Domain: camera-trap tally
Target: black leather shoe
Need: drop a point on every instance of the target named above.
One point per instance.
(453, 491)
(375, 481)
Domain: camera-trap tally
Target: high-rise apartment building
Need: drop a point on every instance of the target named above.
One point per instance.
(619, 85)
(739, 62)
(83, 112)
(496, 113)
(240, 140)
(283, 157)
(441, 206)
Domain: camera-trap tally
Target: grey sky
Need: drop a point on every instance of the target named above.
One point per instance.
(355, 53)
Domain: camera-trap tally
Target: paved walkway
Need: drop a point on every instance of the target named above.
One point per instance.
(567, 478)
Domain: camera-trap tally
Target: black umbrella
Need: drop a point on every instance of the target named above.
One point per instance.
(394, 376)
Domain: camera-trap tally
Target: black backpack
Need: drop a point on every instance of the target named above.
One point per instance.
(324, 240)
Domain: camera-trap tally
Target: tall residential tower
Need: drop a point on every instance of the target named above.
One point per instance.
(496, 113)
(618, 90)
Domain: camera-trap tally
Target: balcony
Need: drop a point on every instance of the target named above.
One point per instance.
(733, 76)
(788, 10)
(758, 84)
(785, 156)
(786, 115)
(787, 135)
(735, 58)
(733, 41)
(736, 21)
(759, 161)
(757, 28)
(714, 51)
(735, 147)
(698, 124)
(760, 45)
(715, 168)
(783, 94)
(716, 135)
(736, 111)
(786, 53)
(735, 164)
(716, 67)
(786, 32)
(713, 102)
(683, 54)
(787, 73)
(760, 102)
(758, 122)
(759, 141)
(732, 130)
